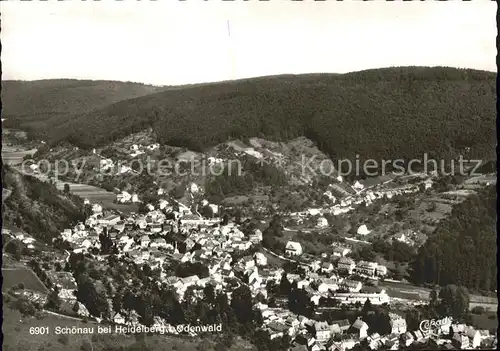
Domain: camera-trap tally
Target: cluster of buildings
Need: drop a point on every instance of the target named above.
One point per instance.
(308, 334)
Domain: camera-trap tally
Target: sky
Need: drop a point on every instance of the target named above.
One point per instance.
(173, 42)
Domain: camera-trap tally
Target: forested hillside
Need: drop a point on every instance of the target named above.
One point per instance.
(33, 105)
(37, 207)
(463, 249)
(381, 113)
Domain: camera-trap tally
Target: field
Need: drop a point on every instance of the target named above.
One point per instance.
(17, 336)
(487, 320)
(14, 276)
(14, 155)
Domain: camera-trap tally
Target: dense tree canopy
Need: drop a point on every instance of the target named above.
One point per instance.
(462, 250)
(382, 113)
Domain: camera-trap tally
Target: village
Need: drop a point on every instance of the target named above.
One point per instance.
(171, 232)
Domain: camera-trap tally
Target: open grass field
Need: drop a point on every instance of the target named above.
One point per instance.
(14, 276)
(13, 155)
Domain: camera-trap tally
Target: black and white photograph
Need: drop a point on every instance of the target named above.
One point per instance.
(249, 175)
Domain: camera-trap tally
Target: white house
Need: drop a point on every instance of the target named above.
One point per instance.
(398, 324)
(363, 230)
(145, 240)
(260, 259)
(341, 251)
(123, 197)
(358, 186)
(474, 337)
(360, 328)
(322, 222)
(293, 248)
(193, 188)
(346, 264)
(323, 332)
(96, 208)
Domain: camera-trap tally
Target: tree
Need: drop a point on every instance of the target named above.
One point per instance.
(367, 307)
(88, 295)
(242, 305)
(285, 286)
(76, 307)
(225, 219)
(209, 293)
(53, 301)
(207, 211)
(454, 301)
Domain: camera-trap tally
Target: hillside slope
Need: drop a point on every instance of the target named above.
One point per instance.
(36, 104)
(37, 207)
(462, 250)
(393, 112)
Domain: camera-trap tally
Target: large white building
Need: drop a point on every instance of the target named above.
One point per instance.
(352, 298)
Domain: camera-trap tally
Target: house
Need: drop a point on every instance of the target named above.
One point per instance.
(153, 147)
(314, 266)
(428, 183)
(407, 339)
(458, 328)
(277, 330)
(343, 324)
(327, 285)
(326, 267)
(322, 222)
(96, 208)
(360, 328)
(110, 220)
(374, 341)
(293, 248)
(145, 240)
(397, 323)
(323, 331)
(159, 242)
(367, 268)
(461, 341)
(363, 230)
(260, 259)
(381, 270)
(255, 237)
(123, 197)
(341, 251)
(419, 336)
(19, 236)
(191, 220)
(346, 265)
(65, 283)
(474, 337)
(358, 186)
(351, 285)
(119, 319)
(303, 284)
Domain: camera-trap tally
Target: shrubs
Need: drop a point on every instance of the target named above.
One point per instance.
(478, 310)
